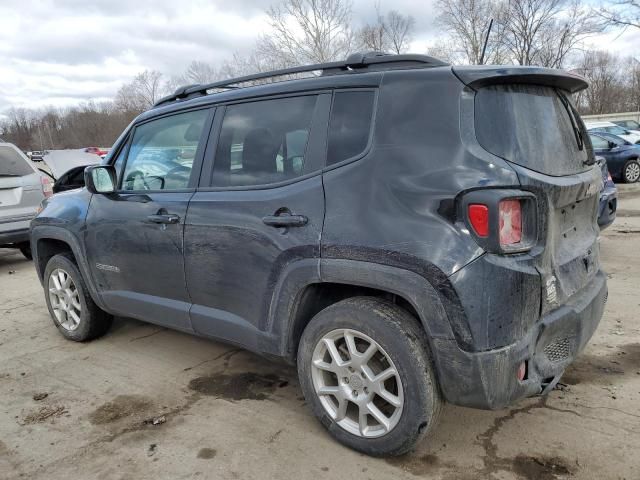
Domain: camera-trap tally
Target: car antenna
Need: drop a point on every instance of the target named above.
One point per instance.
(486, 41)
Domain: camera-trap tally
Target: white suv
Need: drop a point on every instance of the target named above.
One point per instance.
(22, 189)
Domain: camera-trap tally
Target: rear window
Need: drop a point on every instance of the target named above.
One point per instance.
(530, 125)
(12, 163)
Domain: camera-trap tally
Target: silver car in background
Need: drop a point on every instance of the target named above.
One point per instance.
(22, 189)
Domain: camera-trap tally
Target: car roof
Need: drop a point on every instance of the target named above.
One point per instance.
(600, 124)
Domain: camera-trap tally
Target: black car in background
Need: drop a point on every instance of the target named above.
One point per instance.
(621, 156)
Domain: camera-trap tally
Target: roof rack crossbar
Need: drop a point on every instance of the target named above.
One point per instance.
(355, 61)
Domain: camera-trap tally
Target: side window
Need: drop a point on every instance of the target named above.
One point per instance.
(599, 143)
(263, 142)
(162, 152)
(350, 124)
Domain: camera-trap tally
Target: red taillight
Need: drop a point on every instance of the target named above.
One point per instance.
(521, 373)
(609, 177)
(510, 218)
(479, 219)
(47, 186)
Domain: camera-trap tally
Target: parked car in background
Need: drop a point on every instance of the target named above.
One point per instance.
(630, 125)
(404, 231)
(608, 196)
(609, 127)
(623, 158)
(101, 152)
(22, 189)
(36, 156)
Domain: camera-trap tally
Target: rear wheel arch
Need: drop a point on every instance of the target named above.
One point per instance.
(342, 279)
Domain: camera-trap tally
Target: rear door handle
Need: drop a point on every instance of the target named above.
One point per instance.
(164, 219)
(285, 220)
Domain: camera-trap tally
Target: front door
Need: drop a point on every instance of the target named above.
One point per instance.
(134, 237)
(260, 209)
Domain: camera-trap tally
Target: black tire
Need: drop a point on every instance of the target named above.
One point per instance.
(25, 249)
(404, 340)
(94, 322)
(631, 171)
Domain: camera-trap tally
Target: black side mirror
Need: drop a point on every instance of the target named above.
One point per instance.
(611, 145)
(100, 179)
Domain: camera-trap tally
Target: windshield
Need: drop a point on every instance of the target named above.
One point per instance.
(533, 126)
(12, 164)
(616, 130)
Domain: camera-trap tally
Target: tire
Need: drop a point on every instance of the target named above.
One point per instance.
(25, 249)
(631, 171)
(399, 337)
(90, 321)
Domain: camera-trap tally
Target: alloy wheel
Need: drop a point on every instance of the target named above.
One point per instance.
(64, 298)
(632, 172)
(357, 383)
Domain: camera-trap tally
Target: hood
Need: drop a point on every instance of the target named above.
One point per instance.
(61, 161)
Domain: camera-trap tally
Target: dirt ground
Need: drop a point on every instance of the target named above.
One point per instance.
(146, 402)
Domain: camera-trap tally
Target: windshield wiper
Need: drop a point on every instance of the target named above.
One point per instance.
(9, 175)
(573, 119)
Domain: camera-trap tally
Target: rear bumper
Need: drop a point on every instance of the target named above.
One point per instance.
(488, 379)
(14, 236)
(608, 207)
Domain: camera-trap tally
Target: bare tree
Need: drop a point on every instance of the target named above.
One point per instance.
(544, 32)
(399, 28)
(139, 95)
(621, 13)
(467, 22)
(307, 31)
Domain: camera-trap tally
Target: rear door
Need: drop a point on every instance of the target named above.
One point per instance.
(20, 190)
(260, 207)
(134, 237)
(536, 129)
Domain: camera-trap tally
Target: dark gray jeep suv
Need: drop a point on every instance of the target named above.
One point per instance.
(406, 231)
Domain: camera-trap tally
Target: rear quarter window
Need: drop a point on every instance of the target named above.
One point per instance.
(349, 125)
(12, 163)
(530, 126)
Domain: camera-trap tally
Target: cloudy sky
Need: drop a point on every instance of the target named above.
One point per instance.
(61, 52)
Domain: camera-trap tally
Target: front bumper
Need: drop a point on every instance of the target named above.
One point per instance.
(608, 207)
(488, 379)
(14, 236)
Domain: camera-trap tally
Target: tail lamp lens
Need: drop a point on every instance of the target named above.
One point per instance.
(47, 186)
(510, 222)
(479, 219)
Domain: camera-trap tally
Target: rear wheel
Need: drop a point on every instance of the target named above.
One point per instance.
(631, 171)
(71, 307)
(365, 370)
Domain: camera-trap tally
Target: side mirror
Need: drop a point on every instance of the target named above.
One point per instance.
(611, 145)
(100, 179)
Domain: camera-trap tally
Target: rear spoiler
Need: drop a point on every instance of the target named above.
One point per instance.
(481, 76)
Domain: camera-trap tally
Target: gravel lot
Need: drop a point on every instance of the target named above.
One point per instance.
(146, 402)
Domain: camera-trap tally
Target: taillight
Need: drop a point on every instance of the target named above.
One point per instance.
(479, 219)
(47, 186)
(510, 222)
(609, 177)
(501, 221)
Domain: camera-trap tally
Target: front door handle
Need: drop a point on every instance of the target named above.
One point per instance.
(165, 219)
(285, 220)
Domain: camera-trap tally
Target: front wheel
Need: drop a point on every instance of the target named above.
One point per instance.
(631, 171)
(365, 369)
(71, 307)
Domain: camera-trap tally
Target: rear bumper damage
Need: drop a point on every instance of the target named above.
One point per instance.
(488, 379)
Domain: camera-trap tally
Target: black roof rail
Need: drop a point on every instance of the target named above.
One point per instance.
(354, 62)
